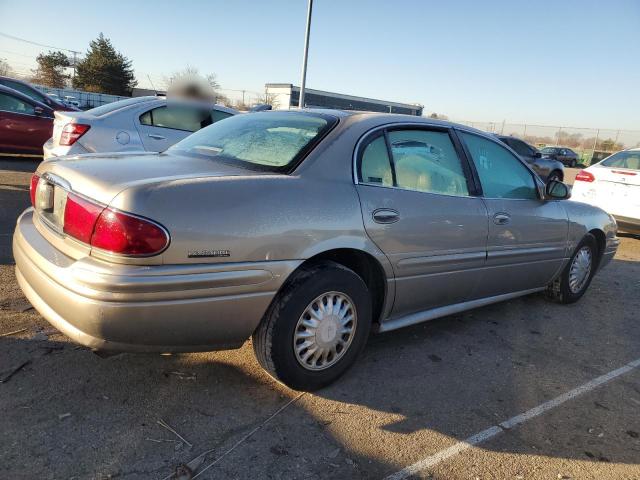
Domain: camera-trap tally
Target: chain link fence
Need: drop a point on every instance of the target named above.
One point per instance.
(591, 144)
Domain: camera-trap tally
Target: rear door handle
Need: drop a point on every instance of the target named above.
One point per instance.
(156, 137)
(501, 218)
(385, 215)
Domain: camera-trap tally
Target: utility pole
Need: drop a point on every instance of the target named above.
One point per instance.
(306, 55)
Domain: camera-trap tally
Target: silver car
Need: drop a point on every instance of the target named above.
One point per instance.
(135, 124)
(303, 229)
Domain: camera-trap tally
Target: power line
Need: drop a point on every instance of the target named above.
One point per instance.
(12, 37)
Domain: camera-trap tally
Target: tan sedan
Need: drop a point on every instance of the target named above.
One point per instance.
(303, 229)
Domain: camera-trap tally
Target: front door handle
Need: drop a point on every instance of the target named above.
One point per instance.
(156, 137)
(501, 218)
(385, 215)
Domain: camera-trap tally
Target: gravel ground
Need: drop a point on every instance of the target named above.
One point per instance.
(67, 413)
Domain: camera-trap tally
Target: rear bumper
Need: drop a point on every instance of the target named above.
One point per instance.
(164, 308)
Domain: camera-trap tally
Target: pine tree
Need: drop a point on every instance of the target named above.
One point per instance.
(104, 70)
(50, 71)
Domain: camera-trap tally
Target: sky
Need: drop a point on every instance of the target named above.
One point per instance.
(572, 63)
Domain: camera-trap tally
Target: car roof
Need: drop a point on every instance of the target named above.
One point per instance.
(382, 118)
(22, 96)
(161, 100)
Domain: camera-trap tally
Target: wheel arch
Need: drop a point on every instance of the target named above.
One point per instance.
(601, 241)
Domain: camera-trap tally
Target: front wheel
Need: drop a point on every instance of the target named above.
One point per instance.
(315, 328)
(574, 280)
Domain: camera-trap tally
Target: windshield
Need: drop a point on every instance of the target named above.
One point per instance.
(272, 141)
(549, 150)
(629, 159)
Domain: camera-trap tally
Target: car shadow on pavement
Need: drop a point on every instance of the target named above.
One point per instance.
(415, 391)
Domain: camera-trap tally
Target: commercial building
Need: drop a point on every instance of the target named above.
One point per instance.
(286, 95)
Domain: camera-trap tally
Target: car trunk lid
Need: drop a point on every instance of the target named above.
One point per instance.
(618, 189)
(100, 178)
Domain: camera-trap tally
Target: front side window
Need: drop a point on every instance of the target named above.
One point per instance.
(520, 148)
(501, 174)
(177, 117)
(629, 159)
(272, 141)
(9, 103)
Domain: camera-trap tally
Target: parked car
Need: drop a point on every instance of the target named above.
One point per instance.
(564, 155)
(547, 168)
(134, 124)
(24, 123)
(35, 94)
(303, 229)
(613, 185)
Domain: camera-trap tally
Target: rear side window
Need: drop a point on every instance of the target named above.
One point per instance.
(177, 117)
(630, 160)
(375, 165)
(421, 160)
(502, 175)
(9, 103)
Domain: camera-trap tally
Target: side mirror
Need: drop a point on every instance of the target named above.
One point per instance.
(556, 190)
(537, 155)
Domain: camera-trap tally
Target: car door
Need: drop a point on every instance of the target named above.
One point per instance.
(419, 207)
(163, 126)
(24, 125)
(527, 240)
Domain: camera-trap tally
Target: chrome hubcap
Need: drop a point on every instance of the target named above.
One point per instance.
(324, 331)
(580, 269)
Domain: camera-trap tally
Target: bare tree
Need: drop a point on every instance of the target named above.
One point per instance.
(5, 68)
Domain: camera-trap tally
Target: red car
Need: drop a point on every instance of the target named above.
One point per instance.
(35, 94)
(25, 124)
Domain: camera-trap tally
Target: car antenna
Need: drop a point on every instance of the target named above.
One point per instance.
(152, 85)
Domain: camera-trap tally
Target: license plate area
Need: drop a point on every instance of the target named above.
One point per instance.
(51, 200)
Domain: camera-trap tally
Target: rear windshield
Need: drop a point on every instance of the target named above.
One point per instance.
(549, 150)
(113, 106)
(271, 141)
(629, 159)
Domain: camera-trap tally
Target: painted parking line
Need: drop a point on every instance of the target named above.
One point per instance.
(478, 438)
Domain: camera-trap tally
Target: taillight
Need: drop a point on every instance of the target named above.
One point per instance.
(33, 186)
(119, 232)
(112, 230)
(80, 216)
(584, 176)
(71, 132)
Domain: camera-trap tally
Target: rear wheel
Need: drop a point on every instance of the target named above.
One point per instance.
(315, 328)
(576, 276)
(572, 163)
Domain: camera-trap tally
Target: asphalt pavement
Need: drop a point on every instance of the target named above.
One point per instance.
(525, 389)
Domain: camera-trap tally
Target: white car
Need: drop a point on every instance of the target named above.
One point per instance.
(150, 124)
(613, 185)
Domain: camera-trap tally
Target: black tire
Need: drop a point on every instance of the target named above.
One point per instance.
(273, 340)
(573, 163)
(560, 289)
